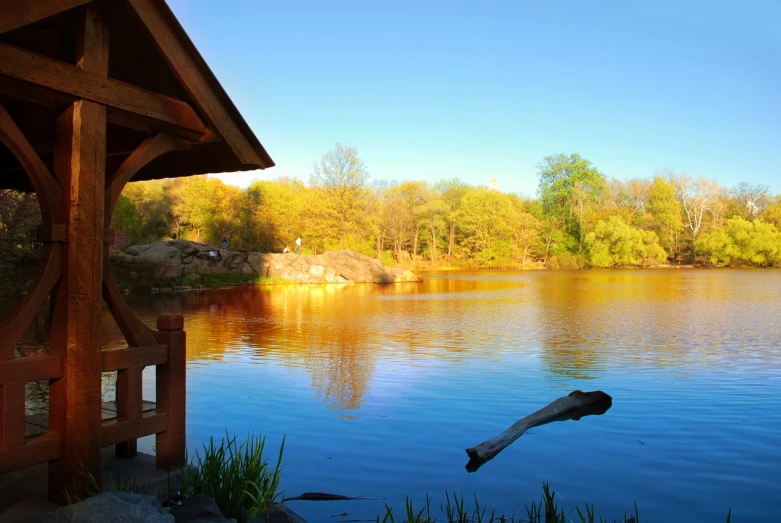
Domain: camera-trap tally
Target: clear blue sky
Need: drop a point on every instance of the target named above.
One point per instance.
(435, 89)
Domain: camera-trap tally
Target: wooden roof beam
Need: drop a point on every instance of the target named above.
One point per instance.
(132, 106)
(176, 51)
(17, 13)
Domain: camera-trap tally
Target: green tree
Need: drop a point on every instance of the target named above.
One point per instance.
(152, 201)
(666, 214)
(398, 219)
(452, 192)
(568, 185)
(773, 212)
(127, 220)
(741, 242)
(343, 177)
(616, 243)
(432, 216)
(696, 198)
(192, 205)
(486, 222)
(527, 233)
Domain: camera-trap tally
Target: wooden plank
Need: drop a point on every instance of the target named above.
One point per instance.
(174, 116)
(39, 423)
(124, 358)
(79, 164)
(177, 53)
(116, 431)
(11, 415)
(17, 13)
(31, 429)
(47, 447)
(31, 368)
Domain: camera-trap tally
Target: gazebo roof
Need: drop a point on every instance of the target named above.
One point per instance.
(158, 82)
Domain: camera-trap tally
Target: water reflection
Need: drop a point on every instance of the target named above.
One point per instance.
(355, 374)
(577, 323)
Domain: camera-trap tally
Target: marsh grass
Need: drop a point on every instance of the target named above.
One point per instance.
(547, 510)
(125, 484)
(236, 475)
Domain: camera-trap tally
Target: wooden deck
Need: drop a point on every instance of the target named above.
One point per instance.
(37, 424)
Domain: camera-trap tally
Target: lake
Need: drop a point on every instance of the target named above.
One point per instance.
(379, 389)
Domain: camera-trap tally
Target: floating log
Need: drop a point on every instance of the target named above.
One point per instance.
(573, 406)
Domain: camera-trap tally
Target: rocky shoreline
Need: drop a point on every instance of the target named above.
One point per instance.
(140, 508)
(181, 258)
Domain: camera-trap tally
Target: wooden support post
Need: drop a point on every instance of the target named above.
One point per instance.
(172, 392)
(80, 164)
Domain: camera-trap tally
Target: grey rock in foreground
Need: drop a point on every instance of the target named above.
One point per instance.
(199, 509)
(120, 507)
(177, 258)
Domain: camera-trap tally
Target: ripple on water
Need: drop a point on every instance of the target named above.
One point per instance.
(379, 389)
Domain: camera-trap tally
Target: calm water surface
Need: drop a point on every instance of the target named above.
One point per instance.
(379, 389)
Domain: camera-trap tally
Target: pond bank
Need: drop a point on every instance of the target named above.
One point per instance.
(180, 265)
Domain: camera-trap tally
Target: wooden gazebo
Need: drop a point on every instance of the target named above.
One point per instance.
(94, 94)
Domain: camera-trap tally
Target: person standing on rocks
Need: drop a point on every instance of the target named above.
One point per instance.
(298, 245)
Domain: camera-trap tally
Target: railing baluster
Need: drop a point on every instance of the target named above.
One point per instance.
(11, 415)
(171, 392)
(129, 405)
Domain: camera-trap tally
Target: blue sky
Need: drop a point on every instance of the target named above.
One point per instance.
(437, 89)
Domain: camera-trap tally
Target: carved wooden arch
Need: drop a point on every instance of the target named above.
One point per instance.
(136, 333)
(53, 233)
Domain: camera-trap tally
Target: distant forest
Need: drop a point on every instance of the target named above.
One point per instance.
(579, 218)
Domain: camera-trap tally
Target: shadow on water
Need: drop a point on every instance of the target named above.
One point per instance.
(572, 407)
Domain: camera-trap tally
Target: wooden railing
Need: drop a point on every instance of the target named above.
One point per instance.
(166, 420)
(17, 451)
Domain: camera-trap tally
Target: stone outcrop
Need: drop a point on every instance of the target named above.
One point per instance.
(177, 258)
(199, 509)
(117, 506)
(127, 507)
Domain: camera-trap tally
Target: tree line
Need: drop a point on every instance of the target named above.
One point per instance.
(579, 217)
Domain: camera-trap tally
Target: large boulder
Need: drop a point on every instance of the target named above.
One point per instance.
(119, 507)
(182, 258)
(200, 509)
(277, 513)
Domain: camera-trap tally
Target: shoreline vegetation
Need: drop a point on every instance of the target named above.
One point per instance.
(579, 218)
(245, 486)
(130, 282)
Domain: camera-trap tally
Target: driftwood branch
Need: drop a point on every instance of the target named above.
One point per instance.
(323, 496)
(573, 406)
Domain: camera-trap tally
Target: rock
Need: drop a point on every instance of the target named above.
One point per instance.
(277, 513)
(199, 509)
(182, 258)
(119, 507)
(194, 277)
